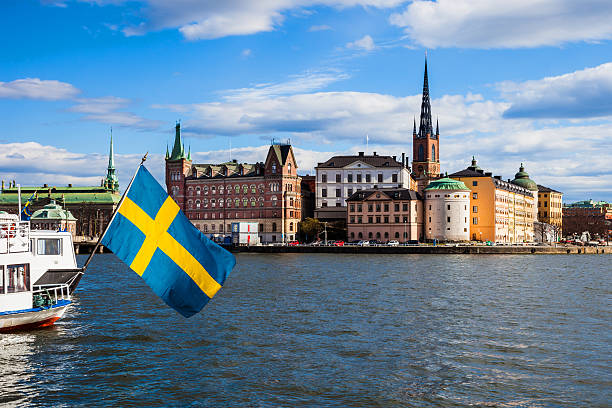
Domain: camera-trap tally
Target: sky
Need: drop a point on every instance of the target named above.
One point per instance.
(527, 81)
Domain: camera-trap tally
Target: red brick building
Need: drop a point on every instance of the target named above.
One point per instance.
(594, 217)
(215, 195)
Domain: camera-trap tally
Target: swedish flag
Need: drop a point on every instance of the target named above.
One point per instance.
(152, 235)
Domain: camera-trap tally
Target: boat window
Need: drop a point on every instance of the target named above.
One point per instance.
(18, 278)
(1, 279)
(49, 246)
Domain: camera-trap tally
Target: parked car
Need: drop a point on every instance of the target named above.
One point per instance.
(339, 243)
(393, 243)
(363, 243)
(293, 243)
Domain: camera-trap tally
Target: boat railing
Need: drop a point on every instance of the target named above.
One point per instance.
(14, 236)
(50, 294)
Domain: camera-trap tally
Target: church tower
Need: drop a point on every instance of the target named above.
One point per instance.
(178, 166)
(111, 181)
(425, 143)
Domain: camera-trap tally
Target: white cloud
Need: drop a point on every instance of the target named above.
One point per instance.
(35, 88)
(198, 20)
(365, 43)
(107, 110)
(34, 164)
(246, 53)
(582, 94)
(505, 24)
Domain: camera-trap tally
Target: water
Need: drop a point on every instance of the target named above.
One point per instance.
(327, 330)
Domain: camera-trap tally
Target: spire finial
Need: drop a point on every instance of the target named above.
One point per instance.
(414, 126)
(189, 154)
(437, 127)
(425, 126)
(178, 150)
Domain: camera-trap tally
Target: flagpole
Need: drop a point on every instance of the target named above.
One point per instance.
(144, 158)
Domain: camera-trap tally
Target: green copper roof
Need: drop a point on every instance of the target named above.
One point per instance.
(522, 179)
(178, 150)
(102, 197)
(52, 211)
(447, 183)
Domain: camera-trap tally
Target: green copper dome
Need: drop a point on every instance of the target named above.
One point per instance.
(447, 183)
(522, 179)
(52, 211)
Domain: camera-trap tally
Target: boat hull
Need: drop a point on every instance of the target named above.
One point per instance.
(32, 318)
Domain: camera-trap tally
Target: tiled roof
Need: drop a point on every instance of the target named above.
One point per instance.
(467, 173)
(376, 161)
(394, 193)
(545, 189)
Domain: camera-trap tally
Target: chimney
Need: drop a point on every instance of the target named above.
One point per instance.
(360, 154)
(481, 171)
(374, 153)
(497, 177)
(45, 185)
(488, 174)
(403, 159)
(394, 158)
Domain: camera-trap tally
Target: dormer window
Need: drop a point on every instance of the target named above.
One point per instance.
(273, 168)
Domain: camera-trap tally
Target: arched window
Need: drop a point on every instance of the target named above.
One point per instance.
(397, 235)
(261, 201)
(290, 226)
(360, 235)
(228, 202)
(252, 201)
(352, 235)
(274, 201)
(197, 190)
(190, 204)
(273, 168)
(378, 235)
(205, 189)
(244, 202)
(190, 191)
(386, 235)
(289, 167)
(421, 153)
(197, 203)
(433, 152)
(273, 227)
(237, 202)
(245, 188)
(237, 188)
(369, 235)
(213, 203)
(205, 227)
(253, 189)
(205, 202)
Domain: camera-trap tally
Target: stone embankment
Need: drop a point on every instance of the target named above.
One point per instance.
(426, 249)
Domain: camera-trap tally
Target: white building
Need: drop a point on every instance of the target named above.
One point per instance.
(447, 210)
(341, 176)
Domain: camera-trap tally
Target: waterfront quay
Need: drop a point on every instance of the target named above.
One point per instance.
(425, 249)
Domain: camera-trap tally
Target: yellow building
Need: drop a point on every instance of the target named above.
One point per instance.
(550, 207)
(501, 211)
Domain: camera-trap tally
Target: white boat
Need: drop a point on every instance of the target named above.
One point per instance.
(38, 273)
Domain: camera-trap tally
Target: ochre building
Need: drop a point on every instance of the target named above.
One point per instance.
(500, 211)
(550, 208)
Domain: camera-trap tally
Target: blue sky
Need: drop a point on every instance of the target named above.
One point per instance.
(529, 82)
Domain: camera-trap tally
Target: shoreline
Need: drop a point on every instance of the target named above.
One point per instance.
(440, 249)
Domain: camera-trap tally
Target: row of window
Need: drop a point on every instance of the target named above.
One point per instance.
(378, 219)
(228, 203)
(358, 178)
(236, 189)
(379, 207)
(218, 228)
(378, 235)
(214, 215)
(448, 220)
(15, 278)
(475, 195)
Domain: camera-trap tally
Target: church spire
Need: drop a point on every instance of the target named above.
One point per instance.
(425, 126)
(111, 182)
(178, 152)
(437, 128)
(414, 127)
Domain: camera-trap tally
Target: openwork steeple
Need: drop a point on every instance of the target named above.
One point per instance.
(425, 127)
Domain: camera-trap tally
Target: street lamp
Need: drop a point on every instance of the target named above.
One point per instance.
(405, 240)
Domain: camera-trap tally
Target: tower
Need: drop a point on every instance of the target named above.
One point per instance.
(178, 167)
(111, 181)
(425, 143)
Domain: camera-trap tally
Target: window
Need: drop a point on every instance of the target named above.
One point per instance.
(352, 219)
(338, 178)
(475, 220)
(448, 207)
(323, 178)
(370, 207)
(359, 219)
(324, 204)
(338, 204)
(474, 196)
(18, 278)
(368, 178)
(394, 178)
(273, 168)
(289, 167)
(290, 226)
(49, 246)
(349, 178)
(475, 209)
(447, 219)
(370, 219)
(350, 192)
(474, 183)
(2, 278)
(359, 208)
(405, 207)
(421, 153)
(380, 177)
(396, 220)
(359, 178)
(338, 192)
(370, 235)
(273, 227)
(323, 192)
(352, 208)
(386, 219)
(386, 207)
(378, 219)
(396, 207)
(377, 207)
(433, 153)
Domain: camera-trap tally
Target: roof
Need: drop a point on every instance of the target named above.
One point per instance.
(374, 160)
(447, 183)
(393, 193)
(468, 173)
(227, 169)
(587, 204)
(544, 189)
(102, 197)
(52, 211)
(522, 179)
(282, 152)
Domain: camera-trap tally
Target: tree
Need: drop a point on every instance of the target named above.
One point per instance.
(310, 228)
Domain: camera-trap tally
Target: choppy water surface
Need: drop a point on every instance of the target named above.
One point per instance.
(325, 330)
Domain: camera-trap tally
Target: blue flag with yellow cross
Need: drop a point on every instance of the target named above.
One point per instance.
(154, 237)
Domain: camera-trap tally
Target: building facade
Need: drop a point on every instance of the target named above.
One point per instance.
(447, 212)
(92, 206)
(213, 196)
(53, 217)
(500, 211)
(550, 208)
(385, 214)
(592, 216)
